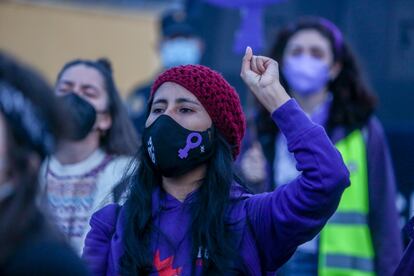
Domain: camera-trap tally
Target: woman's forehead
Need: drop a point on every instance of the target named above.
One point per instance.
(309, 37)
(82, 74)
(172, 91)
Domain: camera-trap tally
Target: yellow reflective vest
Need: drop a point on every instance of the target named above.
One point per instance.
(345, 244)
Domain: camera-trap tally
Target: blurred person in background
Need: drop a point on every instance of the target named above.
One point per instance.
(179, 44)
(363, 236)
(251, 165)
(90, 161)
(30, 119)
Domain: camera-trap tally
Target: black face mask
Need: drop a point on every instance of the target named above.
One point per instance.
(175, 150)
(81, 115)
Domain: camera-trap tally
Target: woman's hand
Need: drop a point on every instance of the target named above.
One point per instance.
(253, 164)
(261, 75)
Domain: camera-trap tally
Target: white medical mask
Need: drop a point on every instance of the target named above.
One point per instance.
(180, 51)
(305, 75)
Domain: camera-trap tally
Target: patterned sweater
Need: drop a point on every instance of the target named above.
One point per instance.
(75, 191)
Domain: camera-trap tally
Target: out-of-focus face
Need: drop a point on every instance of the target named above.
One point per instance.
(89, 84)
(181, 105)
(3, 150)
(311, 43)
(180, 50)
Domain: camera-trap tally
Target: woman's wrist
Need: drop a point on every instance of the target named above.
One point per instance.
(273, 97)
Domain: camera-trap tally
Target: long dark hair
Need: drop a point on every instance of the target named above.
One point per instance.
(209, 228)
(121, 138)
(353, 102)
(20, 217)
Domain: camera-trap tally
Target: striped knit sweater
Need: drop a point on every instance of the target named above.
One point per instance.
(75, 191)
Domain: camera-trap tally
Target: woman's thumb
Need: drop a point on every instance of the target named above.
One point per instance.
(247, 59)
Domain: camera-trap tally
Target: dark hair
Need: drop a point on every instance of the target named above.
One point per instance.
(121, 138)
(353, 103)
(20, 217)
(209, 228)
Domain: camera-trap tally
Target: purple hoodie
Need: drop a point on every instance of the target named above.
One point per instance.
(269, 226)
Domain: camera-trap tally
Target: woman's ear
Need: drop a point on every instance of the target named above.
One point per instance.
(335, 70)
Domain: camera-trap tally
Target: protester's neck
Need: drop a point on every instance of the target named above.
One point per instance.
(72, 152)
(311, 102)
(180, 187)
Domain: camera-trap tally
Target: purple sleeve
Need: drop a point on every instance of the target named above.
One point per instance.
(296, 212)
(383, 215)
(98, 240)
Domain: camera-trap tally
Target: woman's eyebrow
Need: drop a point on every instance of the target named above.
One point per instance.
(186, 100)
(87, 86)
(66, 82)
(163, 101)
(179, 100)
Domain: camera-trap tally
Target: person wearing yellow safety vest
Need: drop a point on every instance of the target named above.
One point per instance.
(362, 238)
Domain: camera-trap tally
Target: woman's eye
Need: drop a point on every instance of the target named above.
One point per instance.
(63, 90)
(296, 52)
(185, 110)
(317, 53)
(157, 110)
(90, 92)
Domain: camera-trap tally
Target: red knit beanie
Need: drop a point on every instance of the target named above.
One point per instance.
(217, 96)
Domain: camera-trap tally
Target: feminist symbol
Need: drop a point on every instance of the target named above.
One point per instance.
(183, 153)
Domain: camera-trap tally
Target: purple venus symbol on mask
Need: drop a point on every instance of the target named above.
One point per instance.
(183, 153)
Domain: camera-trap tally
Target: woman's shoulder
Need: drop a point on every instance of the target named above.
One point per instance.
(239, 192)
(117, 168)
(374, 133)
(374, 125)
(372, 128)
(120, 165)
(107, 215)
(122, 162)
(238, 196)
